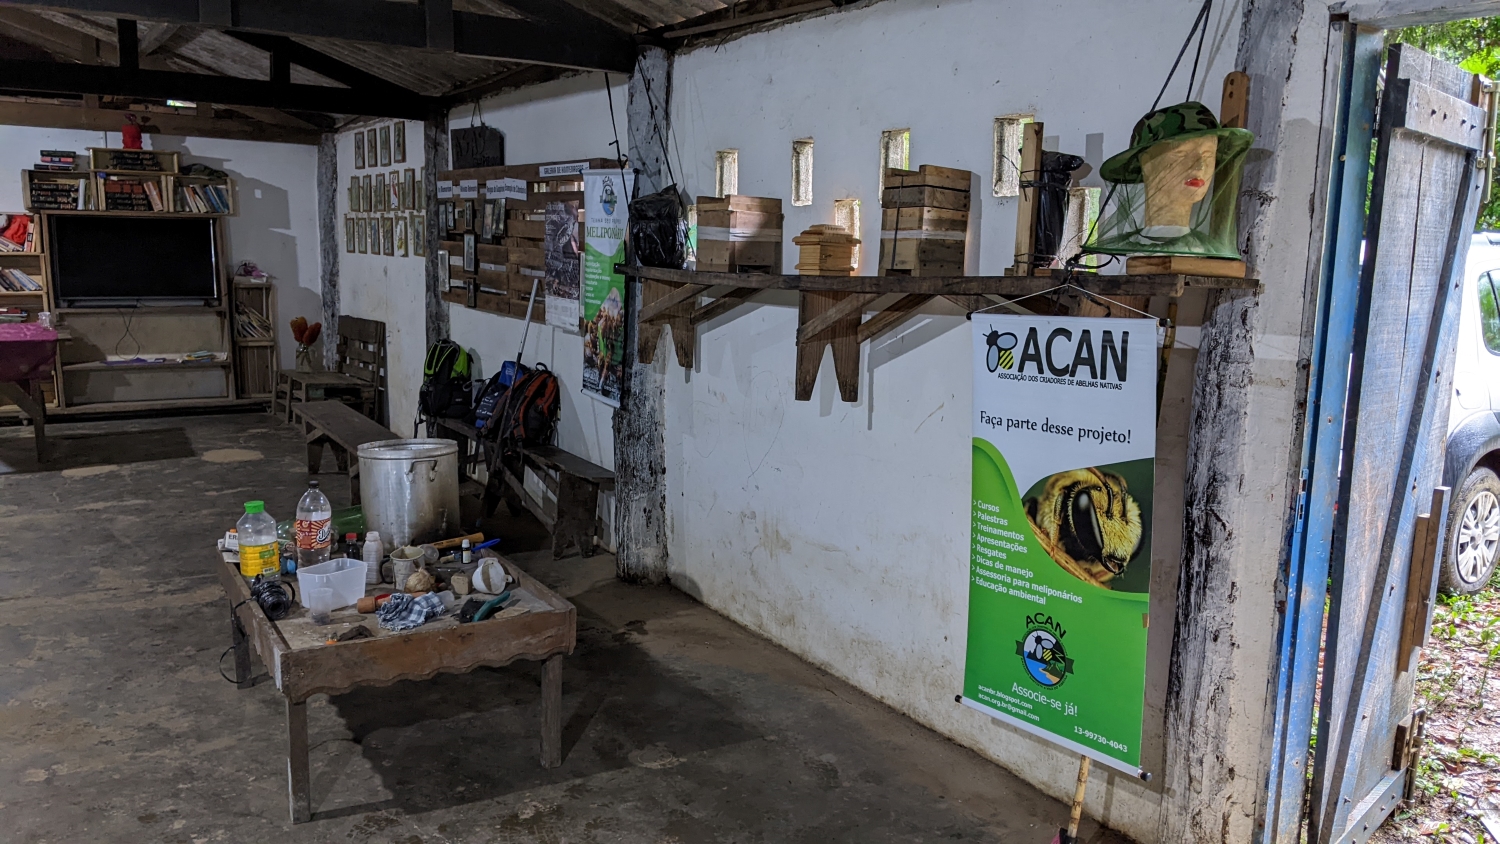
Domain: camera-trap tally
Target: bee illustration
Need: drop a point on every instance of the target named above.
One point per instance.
(1088, 523)
(998, 354)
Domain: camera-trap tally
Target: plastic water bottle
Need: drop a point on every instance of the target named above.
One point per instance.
(372, 553)
(314, 527)
(259, 551)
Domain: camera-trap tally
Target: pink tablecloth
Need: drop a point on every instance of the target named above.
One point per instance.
(26, 351)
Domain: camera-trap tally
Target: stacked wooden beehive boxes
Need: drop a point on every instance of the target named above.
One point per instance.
(826, 250)
(739, 234)
(924, 217)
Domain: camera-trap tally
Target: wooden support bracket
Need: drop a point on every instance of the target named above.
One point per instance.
(827, 318)
(664, 305)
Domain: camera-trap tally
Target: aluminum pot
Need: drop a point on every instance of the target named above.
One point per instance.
(409, 489)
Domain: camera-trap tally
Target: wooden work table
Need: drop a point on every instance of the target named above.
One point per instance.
(538, 625)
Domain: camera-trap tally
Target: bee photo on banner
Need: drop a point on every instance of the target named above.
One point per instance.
(1091, 525)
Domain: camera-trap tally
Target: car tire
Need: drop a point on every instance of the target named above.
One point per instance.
(1473, 534)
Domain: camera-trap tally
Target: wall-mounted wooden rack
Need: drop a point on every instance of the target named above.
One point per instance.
(832, 307)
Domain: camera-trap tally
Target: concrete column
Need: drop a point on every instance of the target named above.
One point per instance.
(329, 242)
(640, 423)
(435, 158)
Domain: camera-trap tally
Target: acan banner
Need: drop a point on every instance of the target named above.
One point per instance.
(1064, 446)
(606, 198)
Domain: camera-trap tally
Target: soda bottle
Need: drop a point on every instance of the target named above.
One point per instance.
(314, 527)
(258, 546)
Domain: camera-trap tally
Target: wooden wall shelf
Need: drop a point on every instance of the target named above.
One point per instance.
(153, 366)
(832, 307)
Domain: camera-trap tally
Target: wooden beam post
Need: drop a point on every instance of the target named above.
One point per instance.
(127, 36)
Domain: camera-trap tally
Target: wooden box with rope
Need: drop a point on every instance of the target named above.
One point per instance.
(739, 234)
(924, 221)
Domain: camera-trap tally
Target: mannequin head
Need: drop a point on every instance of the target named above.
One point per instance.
(1178, 174)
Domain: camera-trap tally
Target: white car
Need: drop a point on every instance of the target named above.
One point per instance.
(1472, 466)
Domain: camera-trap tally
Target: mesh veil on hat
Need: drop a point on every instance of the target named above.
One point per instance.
(1175, 122)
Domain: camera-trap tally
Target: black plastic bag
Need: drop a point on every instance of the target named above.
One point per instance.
(1052, 203)
(658, 230)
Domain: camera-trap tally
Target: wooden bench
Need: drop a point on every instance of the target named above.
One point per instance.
(359, 376)
(342, 428)
(571, 512)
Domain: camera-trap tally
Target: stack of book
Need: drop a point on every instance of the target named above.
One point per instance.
(128, 194)
(13, 315)
(15, 281)
(57, 196)
(17, 233)
(203, 199)
(56, 159)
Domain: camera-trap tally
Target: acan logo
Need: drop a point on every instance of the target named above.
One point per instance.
(998, 354)
(607, 198)
(1043, 653)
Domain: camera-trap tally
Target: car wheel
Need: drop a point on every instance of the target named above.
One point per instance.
(1473, 534)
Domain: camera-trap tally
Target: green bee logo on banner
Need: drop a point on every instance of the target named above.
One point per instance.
(1043, 653)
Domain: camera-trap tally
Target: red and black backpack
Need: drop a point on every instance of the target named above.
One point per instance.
(527, 413)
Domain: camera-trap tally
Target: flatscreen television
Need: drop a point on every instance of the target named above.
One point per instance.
(111, 262)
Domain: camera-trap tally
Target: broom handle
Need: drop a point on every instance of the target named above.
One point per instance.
(527, 330)
(1077, 813)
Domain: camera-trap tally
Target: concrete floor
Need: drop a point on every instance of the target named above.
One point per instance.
(680, 725)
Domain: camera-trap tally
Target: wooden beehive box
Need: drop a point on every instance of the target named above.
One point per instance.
(924, 220)
(739, 234)
(826, 250)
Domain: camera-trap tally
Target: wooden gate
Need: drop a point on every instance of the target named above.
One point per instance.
(1422, 206)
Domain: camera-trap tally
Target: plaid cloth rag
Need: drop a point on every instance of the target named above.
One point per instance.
(403, 612)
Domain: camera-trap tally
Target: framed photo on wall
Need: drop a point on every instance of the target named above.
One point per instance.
(418, 235)
(381, 193)
(393, 181)
(387, 236)
(421, 189)
(385, 146)
(410, 190)
(361, 236)
(471, 253)
(402, 247)
(355, 193)
(359, 151)
(373, 224)
(366, 196)
(372, 151)
(398, 142)
(348, 232)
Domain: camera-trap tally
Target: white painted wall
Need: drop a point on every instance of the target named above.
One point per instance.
(276, 226)
(841, 530)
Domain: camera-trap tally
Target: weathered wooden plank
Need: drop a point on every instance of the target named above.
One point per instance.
(723, 305)
(299, 778)
(552, 711)
(839, 308)
(655, 308)
(1427, 111)
(829, 318)
(894, 315)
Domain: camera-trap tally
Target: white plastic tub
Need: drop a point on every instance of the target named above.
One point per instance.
(344, 576)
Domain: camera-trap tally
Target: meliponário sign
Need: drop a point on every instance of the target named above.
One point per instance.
(606, 200)
(1064, 446)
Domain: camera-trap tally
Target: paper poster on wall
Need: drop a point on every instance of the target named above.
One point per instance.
(1064, 445)
(564, 280)
(606, 196)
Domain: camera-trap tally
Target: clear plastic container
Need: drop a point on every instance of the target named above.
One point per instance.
(257, 537)
(314, 527)
(344, 576)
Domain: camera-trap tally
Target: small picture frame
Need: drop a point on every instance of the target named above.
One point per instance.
(410, 189)
(367, 198)
(421, 189)
(373, 224)
(398, 142)
(393, 181)
(471, 253)
(403, 248)
(418, 235)
(381, 194)
(355, 193)
(361, 236)
(471, 219)
(359, 151)
(348, 232)
(387, 236)
(445, 270)
(372, 150)
(385, 146)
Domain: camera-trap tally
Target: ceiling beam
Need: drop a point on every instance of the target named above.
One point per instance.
(320, 63)
(128, 43)
(59, 116)
(228, 90)
(157, 36)
(554, 33)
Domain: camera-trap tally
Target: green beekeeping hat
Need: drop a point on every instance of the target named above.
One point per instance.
(1175, 122)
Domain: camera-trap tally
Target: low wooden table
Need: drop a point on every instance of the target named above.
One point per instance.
(26, 354)
(341, 428)
(294, 387)
(539, 625)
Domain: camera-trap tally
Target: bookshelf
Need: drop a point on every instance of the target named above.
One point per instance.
(134, 358)
(33, 263)
(255, 337)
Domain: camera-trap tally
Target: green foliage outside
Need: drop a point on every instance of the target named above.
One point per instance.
(1475, 46)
